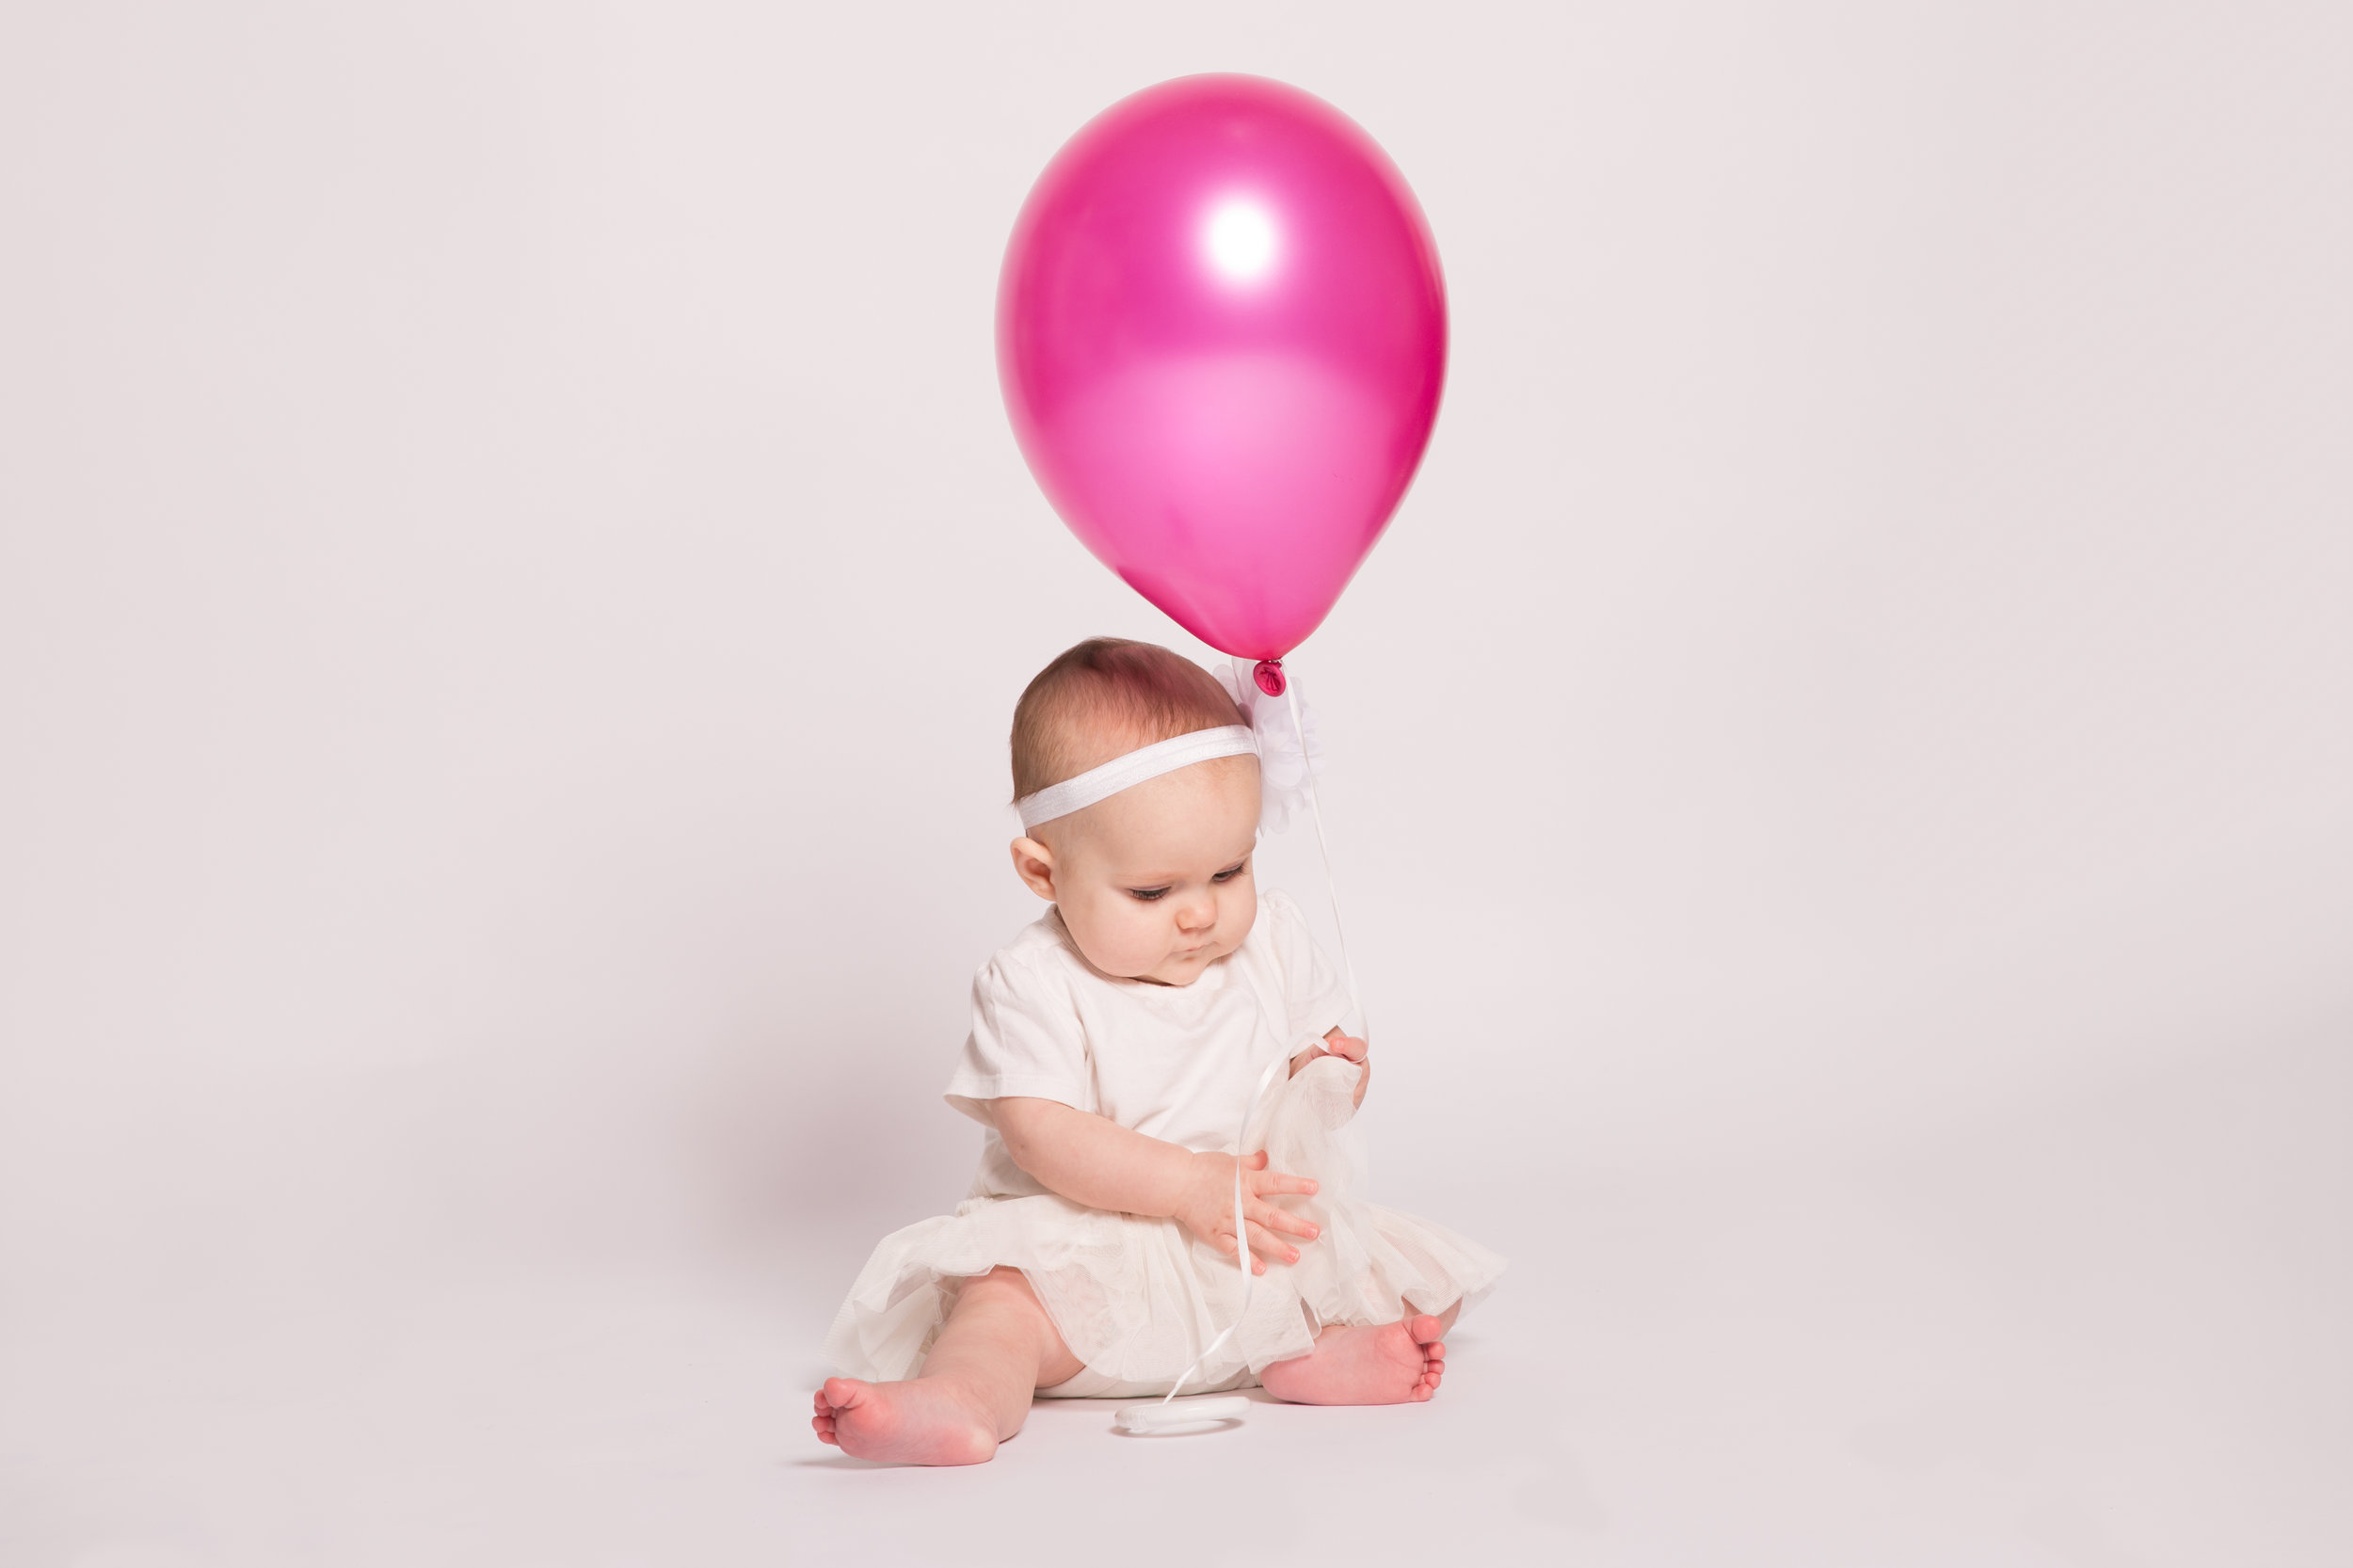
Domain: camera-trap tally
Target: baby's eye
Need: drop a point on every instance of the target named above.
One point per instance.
(1145, 894)
(1231, 872)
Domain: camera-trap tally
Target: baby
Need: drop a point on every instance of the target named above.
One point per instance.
(1114, 1048)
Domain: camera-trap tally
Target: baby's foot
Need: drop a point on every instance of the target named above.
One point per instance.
(921, 1421)
(1392, 1364)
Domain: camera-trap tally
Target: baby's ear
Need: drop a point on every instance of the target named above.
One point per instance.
(1033, 863)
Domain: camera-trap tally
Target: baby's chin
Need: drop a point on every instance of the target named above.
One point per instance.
(1183, 969)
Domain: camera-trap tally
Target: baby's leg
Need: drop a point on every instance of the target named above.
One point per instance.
(1383, 1364)
(997, 1349)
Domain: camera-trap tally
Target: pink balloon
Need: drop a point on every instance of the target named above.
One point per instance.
(1221, 334)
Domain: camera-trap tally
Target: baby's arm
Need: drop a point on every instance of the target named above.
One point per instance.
(1347, 1049)
(1094, 1161)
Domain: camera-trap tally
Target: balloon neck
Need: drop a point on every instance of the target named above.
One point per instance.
(1269, 675)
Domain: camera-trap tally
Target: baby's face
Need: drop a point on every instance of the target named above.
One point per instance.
(1155, 882)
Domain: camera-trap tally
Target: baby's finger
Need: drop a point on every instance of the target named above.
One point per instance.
(1225, 1242)
(1347, 1046)
(1284, 1219)
(1281, 1181)
(1271, 1247)
(1254, 1161)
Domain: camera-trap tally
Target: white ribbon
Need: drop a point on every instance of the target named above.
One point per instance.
(1161, 1416)
(1289, 750)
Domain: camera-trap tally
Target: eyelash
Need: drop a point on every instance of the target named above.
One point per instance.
(1153, 895)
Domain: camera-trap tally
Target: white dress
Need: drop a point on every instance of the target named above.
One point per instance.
(1135, 1298)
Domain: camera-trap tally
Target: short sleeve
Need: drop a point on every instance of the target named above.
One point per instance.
(1026, 1040)
(1314, 998)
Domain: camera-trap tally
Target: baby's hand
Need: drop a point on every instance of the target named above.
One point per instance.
(1347, 1049)
(1208, 1208)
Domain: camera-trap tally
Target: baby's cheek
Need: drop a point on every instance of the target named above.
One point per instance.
(1096, 922)
(1238, 911)
(1130, 934)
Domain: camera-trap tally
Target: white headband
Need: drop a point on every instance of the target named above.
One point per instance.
(1122, 773)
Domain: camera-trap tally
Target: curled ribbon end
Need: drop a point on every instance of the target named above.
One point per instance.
(1269, 675)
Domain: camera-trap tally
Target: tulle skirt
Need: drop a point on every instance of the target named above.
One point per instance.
(1137, 1299)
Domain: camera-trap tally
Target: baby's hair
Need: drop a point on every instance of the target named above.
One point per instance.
(1104, 698)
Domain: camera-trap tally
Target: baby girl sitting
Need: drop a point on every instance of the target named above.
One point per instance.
(1114, 1048)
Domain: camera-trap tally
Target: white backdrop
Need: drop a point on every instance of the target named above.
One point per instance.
(513, 580)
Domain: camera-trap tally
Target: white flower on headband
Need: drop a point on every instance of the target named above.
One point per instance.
(1282, 760)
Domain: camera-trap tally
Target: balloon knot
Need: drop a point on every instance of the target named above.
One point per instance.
(1269, 675)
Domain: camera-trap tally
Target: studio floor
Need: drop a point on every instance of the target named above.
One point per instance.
(2106, 1334)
